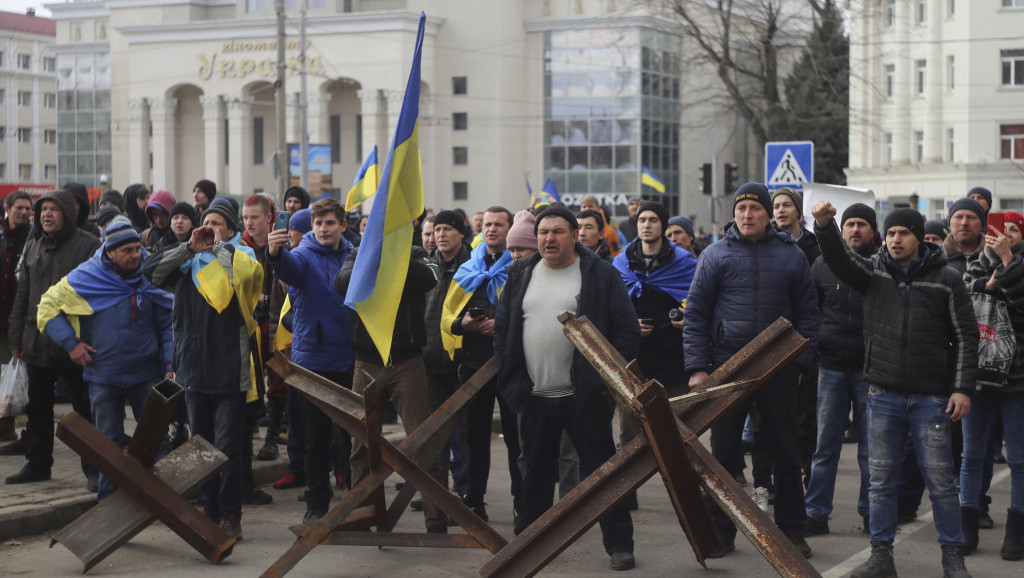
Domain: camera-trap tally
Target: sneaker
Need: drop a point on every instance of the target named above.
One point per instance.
(802, 546)
(760, 497)
(339, 480)
(232, 525)
(953, 563)
(289, 481)
(256, 497)
(27, 475)
(623, 561)
(741, 480)
(879, 565)
(816, 527)
(312, 516)
(416, 505)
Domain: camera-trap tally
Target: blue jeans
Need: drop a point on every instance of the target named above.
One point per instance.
(984, 406)
(891, 415)
(220, 419)
(107, 403)
(836, 391)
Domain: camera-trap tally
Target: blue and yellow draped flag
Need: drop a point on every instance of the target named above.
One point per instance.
(648, 178)
(366, 182)
(529, 189)
(378, 275)
(549, 188)
(471, 277)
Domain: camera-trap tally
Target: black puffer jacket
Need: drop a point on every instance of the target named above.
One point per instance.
(1011, 290)
(920, 334)
(841, 328)
(434, 356)
(808, 243)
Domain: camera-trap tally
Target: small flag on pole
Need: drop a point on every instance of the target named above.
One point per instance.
(366, 182)
(549, 188)
(648, 178)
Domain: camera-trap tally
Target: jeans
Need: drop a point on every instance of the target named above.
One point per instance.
(41, 386)
(108, 416)
(891, 415)
(837, 390)
(220, 418)
(984, 406)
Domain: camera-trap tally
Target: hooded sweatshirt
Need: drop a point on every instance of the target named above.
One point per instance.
(82, 208)
(153, 238)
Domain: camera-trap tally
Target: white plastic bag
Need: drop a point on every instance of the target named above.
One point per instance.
(13, 388)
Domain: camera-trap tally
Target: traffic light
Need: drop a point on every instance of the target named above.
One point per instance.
(730, 177)
(705, 178)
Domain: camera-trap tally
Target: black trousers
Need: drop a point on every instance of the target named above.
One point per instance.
(541, 423)
(476, 465)
(41, 386)
(317, 451)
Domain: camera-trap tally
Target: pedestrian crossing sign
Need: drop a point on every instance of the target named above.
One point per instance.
(788, 164)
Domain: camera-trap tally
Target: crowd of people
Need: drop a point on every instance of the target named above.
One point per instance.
(206, 291)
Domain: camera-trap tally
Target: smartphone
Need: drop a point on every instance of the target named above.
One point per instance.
(281, 221)
(647, 321)
(997, 221)
(475, 312)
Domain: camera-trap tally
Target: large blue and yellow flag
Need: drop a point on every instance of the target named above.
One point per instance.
(471, 276)
(648, 178)
(366, 182)
(378, 276)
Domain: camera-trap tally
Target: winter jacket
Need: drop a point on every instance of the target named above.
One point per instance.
(920, 334)
(1011, 290)
(841, 328)
(740, 288)
(410, 335)
(12, 244)
(808, 243)
(322, 326)
(602, 299)
(81, 195)
(47, 259)
(954, 257)
(476, 349)
(434, 356)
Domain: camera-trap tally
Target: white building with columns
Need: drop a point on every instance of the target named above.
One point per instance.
(936, 95)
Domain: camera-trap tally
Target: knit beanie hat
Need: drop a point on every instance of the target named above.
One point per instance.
(207, 187)
(299, 192)
(120, 232)
(452, 219)
(908, 218)
(934, 227)
(228, 202)
(860, 211)
(301, 221)
(1015, 218)
(658, 209)
(113, 196)
(557, 210)
(983, 192)
(753, 192)
(683, 222)
(521, 233)
(969, 204)
(224, 210)
(105, 214)
(797, 196)
(186, 209)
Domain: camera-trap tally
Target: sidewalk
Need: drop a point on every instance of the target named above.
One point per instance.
(41, 507)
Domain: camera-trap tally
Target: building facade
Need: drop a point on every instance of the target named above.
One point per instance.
(936, 89)
(28, 100)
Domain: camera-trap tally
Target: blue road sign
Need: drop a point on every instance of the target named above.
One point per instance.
(788, 164)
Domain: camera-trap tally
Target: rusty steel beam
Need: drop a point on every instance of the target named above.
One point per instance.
(144, 487)
(681, 402)
(115, 521)
(338, 396)
(152, 424)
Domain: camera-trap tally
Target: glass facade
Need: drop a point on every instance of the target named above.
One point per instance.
(611, 101)
(83, 118)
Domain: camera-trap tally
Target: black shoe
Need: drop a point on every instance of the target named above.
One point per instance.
(27, 475)
(232, 525)
(15, 448)
(1013, 542)
(816, 527)
(312, 516)
(437, 529)
(802, 545)
(269, 452)
(257, 497)
(879, 565)
(969, 528)
(953, 563)
(92, 482)
(741, 480)
(480, 511)
(725, 549)
(985, 522)
(999, 458)
(416, 505)
(623, 561)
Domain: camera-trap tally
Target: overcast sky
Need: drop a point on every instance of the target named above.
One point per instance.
(21, 5)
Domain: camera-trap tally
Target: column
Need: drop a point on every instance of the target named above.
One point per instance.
(162, 112)
(240, 164)
(374, 121)
(936, 81)
(293, 123)
(318, 117)
(395, 98)
(138, 142)
(213, 141)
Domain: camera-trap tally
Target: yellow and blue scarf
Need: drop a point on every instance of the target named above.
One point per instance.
(468, 279)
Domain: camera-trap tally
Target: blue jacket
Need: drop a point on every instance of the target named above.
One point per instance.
(132, 340)
(322, 327)
(739, 289)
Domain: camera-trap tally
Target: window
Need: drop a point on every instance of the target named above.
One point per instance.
(50, 172)
(1013, 3)
(890, 80)
(49, 136)
(25, 135)
(890, 13)
(460, 155)
(949, 144)
(25, 61)
(920, 66)
(951, 72)
(887, 148)
(460, 191)
(25, 172)
(335, 138)
(24, 98)
(3, 133)
(49, 64)
(459, 85)
(1013, 67)
(255, 6)
(460, 121)
(918, 145)
(50, 99)
(1012, 137)
(3, 95)
(922, 11)
(257, 140)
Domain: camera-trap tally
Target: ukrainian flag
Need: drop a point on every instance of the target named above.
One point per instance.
(648, 178)
(549, 188)
(382, 263)
(366, 182)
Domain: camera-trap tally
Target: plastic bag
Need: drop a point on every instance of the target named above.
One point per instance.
(13, 388)
(998, 342)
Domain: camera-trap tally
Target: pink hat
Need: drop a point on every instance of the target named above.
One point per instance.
(521, 234)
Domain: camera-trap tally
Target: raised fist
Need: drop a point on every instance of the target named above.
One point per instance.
(823, 213)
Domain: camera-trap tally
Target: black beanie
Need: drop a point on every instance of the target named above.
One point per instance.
(659, 210)
(105, 214)
(452, 219)
(113, 196)
(860, 211)
(934, 227)
(983, 192)
(969, 204)
(208, 187)
(753, 192)
(299, 192)
(908, 218)
(184, 208)
(557, 210)
(224, 210)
